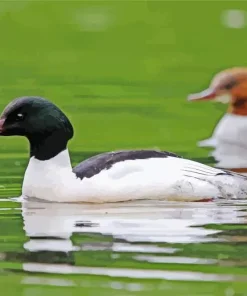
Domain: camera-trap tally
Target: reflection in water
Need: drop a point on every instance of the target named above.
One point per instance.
(134, 227)
(130, 273)
(174, 259)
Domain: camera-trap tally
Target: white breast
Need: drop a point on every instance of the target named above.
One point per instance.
(231, 148)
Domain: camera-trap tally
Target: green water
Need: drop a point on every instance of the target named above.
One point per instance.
(123, 249)
(121, 70)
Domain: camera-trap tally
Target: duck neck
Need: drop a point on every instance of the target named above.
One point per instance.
(45, 147)
(61, 160)
(238, 106)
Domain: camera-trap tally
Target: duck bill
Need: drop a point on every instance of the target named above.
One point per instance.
(2, 120)
(207, 94)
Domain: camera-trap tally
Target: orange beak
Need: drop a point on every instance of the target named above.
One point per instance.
(207, 94)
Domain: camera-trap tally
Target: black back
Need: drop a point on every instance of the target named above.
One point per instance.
(105, 161)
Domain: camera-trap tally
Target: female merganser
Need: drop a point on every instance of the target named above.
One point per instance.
(108, 177)
(229, 136)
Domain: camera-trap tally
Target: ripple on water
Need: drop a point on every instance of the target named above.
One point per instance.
(131, 273)
(135, 240)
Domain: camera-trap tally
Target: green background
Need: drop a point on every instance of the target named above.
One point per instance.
(121, 70)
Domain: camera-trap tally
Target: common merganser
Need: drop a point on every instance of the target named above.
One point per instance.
(108, 177)
(229, 136)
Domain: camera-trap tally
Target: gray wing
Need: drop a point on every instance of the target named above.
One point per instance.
(198, 169)
(104, 161)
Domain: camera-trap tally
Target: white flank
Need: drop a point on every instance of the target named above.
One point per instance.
(154, 178)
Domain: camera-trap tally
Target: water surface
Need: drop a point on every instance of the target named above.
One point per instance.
(123, 249)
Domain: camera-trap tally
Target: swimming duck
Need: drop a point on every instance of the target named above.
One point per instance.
(229, 136)
(108, 177)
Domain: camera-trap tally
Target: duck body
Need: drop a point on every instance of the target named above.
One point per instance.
(231, 149)
(212, 142)
(109, 177)
(161, 177)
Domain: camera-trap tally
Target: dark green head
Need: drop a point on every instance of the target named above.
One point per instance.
(45, 126)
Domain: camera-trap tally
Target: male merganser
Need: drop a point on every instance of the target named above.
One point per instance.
(229, 136)
(108, 177)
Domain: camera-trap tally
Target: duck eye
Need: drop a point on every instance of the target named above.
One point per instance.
(230, 84)
(19, 117)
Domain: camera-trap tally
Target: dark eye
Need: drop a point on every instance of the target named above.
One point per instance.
(230, 84)
(19, 117)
